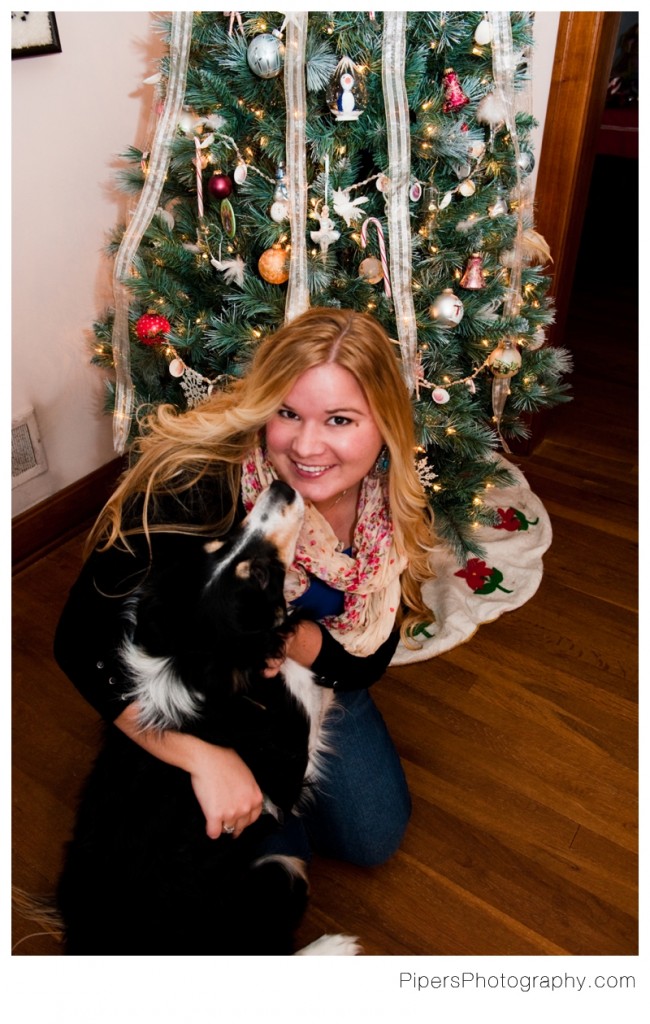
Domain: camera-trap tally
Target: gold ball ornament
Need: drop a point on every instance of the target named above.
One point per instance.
(273, 265)
(505, 359)
(370, 270)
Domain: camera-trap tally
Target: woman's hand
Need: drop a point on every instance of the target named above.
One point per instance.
(223, 784)
(226, 790)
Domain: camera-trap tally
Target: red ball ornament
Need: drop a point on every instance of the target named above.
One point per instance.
(151, 327)
(220, 186)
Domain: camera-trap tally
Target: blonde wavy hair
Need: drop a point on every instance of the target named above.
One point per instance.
(177, 450)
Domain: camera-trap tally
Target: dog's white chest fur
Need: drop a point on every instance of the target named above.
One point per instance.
(315, 700)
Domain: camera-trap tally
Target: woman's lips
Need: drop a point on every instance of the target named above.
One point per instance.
(311, 472)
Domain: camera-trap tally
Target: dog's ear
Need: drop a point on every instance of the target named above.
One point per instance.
(256, 570)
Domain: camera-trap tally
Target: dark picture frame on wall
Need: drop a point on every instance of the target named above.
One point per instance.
(33, 33)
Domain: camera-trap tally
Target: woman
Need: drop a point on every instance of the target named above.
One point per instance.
(323, 408)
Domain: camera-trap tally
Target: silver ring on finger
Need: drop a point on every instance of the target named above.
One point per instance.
(228, 829)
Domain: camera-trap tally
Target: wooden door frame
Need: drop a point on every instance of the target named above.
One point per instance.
(585, 47)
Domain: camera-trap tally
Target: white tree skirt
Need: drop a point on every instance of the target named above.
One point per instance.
(505, 578)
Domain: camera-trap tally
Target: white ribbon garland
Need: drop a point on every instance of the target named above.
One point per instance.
(295, 92)
(503, 69)
(181, 37)
(397, 197)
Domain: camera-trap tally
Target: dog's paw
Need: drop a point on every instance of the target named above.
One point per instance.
(332, 945)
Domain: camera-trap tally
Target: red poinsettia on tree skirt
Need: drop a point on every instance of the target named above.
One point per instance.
(512, 520)
(481, 578)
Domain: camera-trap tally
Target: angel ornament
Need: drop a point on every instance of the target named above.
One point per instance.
(346, 207)
(327, 232)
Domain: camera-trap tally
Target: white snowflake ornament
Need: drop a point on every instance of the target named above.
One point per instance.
(425, 472)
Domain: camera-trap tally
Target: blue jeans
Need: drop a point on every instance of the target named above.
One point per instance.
(361, 805)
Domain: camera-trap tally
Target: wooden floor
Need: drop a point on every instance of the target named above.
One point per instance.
(520, 746)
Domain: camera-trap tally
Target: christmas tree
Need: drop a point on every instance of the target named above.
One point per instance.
(370, 161)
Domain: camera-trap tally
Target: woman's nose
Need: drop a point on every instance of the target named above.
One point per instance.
(308, 439)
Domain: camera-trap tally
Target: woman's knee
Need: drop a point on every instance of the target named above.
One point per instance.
(382, 838)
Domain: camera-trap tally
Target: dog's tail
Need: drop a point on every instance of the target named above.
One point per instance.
(42, 910)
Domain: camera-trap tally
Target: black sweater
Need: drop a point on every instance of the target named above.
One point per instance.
(92, 624)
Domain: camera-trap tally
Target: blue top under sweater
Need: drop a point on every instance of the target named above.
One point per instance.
(320, 599)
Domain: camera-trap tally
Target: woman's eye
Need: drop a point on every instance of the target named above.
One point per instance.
(340, 421)
(287, 414)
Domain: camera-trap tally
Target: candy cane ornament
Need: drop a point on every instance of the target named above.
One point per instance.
(382, 249)
(199, 176)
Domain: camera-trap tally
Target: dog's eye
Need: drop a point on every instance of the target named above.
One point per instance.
(254, 570)
(243, 570)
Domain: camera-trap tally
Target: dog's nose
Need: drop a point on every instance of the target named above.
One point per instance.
(283, 492)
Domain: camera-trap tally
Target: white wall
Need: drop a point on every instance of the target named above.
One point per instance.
(545, 36)
(73, 113)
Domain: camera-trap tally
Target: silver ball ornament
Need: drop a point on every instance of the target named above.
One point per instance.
(525, 161)
(265, 55)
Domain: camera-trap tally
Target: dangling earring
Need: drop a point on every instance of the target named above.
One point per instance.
(382, 464)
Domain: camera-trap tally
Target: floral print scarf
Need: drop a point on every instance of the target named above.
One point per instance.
(369, 579)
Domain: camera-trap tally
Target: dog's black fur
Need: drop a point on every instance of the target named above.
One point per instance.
(140, 874)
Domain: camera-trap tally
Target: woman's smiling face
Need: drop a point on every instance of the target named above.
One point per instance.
(323, 439)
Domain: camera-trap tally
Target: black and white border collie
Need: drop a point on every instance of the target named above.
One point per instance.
(140, 876)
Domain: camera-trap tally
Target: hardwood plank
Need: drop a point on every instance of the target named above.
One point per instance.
(607, 504)
(521, 883)
(501, 765)
(592, 562)
(439, 917)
